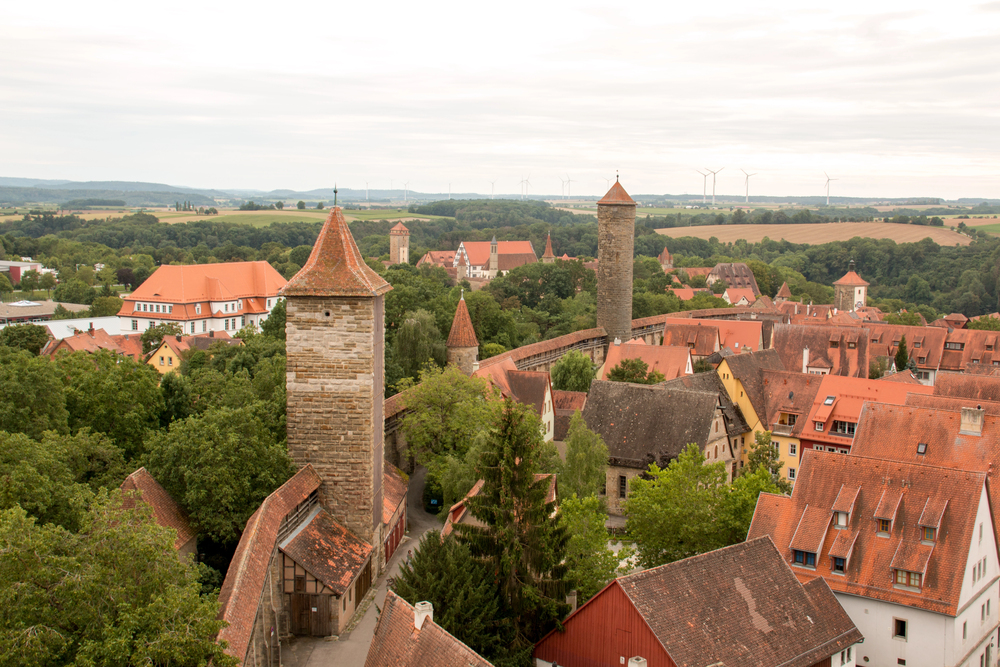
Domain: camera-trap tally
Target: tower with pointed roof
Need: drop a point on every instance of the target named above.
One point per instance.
(335, 333)
(666, 260)
(399, 244)
(615, 246)
(463, 346)
(494, 259)
(851, 291)
(548, 257)
(784, 294)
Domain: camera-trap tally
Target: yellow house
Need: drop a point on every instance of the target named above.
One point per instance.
(167, 356)
(743, 377)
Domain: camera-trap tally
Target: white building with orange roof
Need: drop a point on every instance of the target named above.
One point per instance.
(487, 259)
(203, 297)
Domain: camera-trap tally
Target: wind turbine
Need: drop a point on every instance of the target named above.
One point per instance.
(569, 185)
(704, 185)
(747, 183)
(562, 189)
(828, 179)
(713, 181)
(492, 183)
(608, 186)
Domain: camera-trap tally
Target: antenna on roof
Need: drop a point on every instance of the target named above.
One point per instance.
(334, 194)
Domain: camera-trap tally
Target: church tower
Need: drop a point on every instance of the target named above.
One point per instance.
(463, 346)
(850, 292)
(615, 246)
(548, 257)
(399, 244)
(335, 337)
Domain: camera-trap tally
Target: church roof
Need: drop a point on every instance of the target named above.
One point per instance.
(617, 197)
(548, 247)
(851, 278)
(462, 332)
(335, 267)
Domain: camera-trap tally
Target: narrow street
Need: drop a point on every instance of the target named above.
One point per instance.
(351, 648)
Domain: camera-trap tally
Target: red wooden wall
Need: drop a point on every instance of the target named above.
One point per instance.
(602, 632)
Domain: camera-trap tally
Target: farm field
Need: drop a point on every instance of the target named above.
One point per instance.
(821, 233)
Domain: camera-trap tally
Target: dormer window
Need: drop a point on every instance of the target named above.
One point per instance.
(840, 519)
(819, 426)
(928, 534)
(954, 346)
(197, 309)
(851, 346)
(884, 527)
(844, 428)
(838, 565)
(834, 343)
(804, 558)
(908, 579)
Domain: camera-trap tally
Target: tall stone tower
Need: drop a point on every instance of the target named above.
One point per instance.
(548, 257)
(615, 246)
(399, 244)
(335, 337)
(494, 259)
(463, 346)
(851, 291)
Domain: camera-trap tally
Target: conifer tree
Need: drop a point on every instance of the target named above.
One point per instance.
(902, 357)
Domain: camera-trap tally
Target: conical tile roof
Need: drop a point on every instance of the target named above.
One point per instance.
(335, 267)
(617, 196)
(462, 332)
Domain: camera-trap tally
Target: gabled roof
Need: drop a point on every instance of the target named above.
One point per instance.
(328, 551)
(336, 267)
(462, 333)
(478, 252)
(438, 258)
(792, 393)
(397, 642)
(792, 340)
(738, 334)
(639, 420)
(400, 228)
(91, 340)
(748, 369)
(616, 196)
(701, 337)
(166, 510)
(735, 422)
(510, 261)
(734, 294)
(200, 283)
(883, 340)
(670, 360)
(871, 558)
(529, 387)
(736, 274)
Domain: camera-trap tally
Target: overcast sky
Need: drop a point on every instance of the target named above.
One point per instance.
(892, 99)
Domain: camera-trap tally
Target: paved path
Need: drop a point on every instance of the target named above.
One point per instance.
(352, 647)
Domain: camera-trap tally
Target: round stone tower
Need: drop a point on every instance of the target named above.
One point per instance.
(615, 246)
(399, 244)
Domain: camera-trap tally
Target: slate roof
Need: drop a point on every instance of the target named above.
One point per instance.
(820, 481)
(748, 369)
(960, 385)
(790, 340)
(616, 196)
(397, 643)
(328, 551)
(166, 510)
(670, 360)
(393, 492)
(336, 267)
(244, 582)
(637, 420)
(462, 333)
(739, 606)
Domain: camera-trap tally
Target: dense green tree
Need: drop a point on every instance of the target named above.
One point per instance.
(988, 323)
(585, 470)
(105, 306)
(301, 205)
(92, 458)
(29, 337)
(113, 593)
(492, 350)
(36, 478)
(29, 282)
(521, 545)
(418, 342)
(573, 372)
(47, 282)
(635, 370)
(219, 466)
(153, 336)
(907, 319)
(177, 403)
(75, 291)
(445, 411)
(466, 601)
(763, 455)
(590, 561)
(740, 500)
(673, 514)
(274, 325)
(5, 286)
(32, 398)
(112, 395)
(901, 358)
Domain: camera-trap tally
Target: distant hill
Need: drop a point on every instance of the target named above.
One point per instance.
(21, 196)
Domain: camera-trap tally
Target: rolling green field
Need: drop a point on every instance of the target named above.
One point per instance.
(989, 229)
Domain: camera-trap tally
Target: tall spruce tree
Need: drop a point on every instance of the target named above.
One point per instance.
(518, 539)
(902, 357)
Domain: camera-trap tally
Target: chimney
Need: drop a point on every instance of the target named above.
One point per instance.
(211, 334)
(475, 366)
(808, 307)
(91, 330)
(796, 308)
(421, 612)
(618, 341)
(636, 662)
(805, 360)
(972, 421)
(571, 601)
(178, 337)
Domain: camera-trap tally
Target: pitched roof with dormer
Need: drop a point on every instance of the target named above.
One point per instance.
(336, 267)
(909, 495)
(462, 333)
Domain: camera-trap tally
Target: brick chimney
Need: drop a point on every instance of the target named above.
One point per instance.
(422, 611)
(972, 421)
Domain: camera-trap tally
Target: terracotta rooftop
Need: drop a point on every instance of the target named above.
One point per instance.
(701, 337)
(748, 369)
(529, 388)
(462, 333)
(397, 642)
(951, 403)
(328, 551)
(478, 252)
(837, 350)
(670, 360)
(851, 278)
(784, 291)
(616, 196)
(200, 283)
(336, 267)
(548, 247)
(393, 492)
(167, 511)
(789, 393)
(734, 294)
(900, 489)
(438, 258)
(961, 385)
(400, 227)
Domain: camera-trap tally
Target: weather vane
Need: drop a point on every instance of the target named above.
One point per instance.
(334, 194)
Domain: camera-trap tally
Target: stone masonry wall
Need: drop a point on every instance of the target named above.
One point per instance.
(463, 357)
(615, 246)
(843, 297)
(399, 248)
(334, 382)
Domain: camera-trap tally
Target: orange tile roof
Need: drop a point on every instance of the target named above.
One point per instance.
(548, 247)
(701, 337)
(393, 492)
(737, 293)
(784, 291)
(686, 293)
(399, 227)
(737, 334)
(244, 583)
(961, 385)
(130, 345)
(671, 360)
(851, 278)
(616, 196)
(328, 551)
(792, 393)
(462, 333)
(479, 251)
(91, 340)
(335, 267)
(438, 258)
(792, 340)
(951, 403)
(201, 283)
(166, 510)
(870, 558)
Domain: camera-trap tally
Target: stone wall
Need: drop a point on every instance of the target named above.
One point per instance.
(399, 248)
(463, 357)
(615, 246)
(334, 384)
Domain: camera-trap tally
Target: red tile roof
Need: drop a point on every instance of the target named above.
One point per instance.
(617, 196)
(328, 551)
(167, 511)
(91, 340)
(397, 642)
(736, 293)
(569, 400)
(671, 360)
(829, 347)
(851, 278)
(530, 388)
(479, 252)
(244, 582)
(192, 284)
(335, 267)
(400, 227)
(438, 258)
(462, 333)
(548, 247)
(960, 385)
(393, 492)
(791, 393)
(784, 291)
(902, 489)
(951, 403)
(701, 337)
